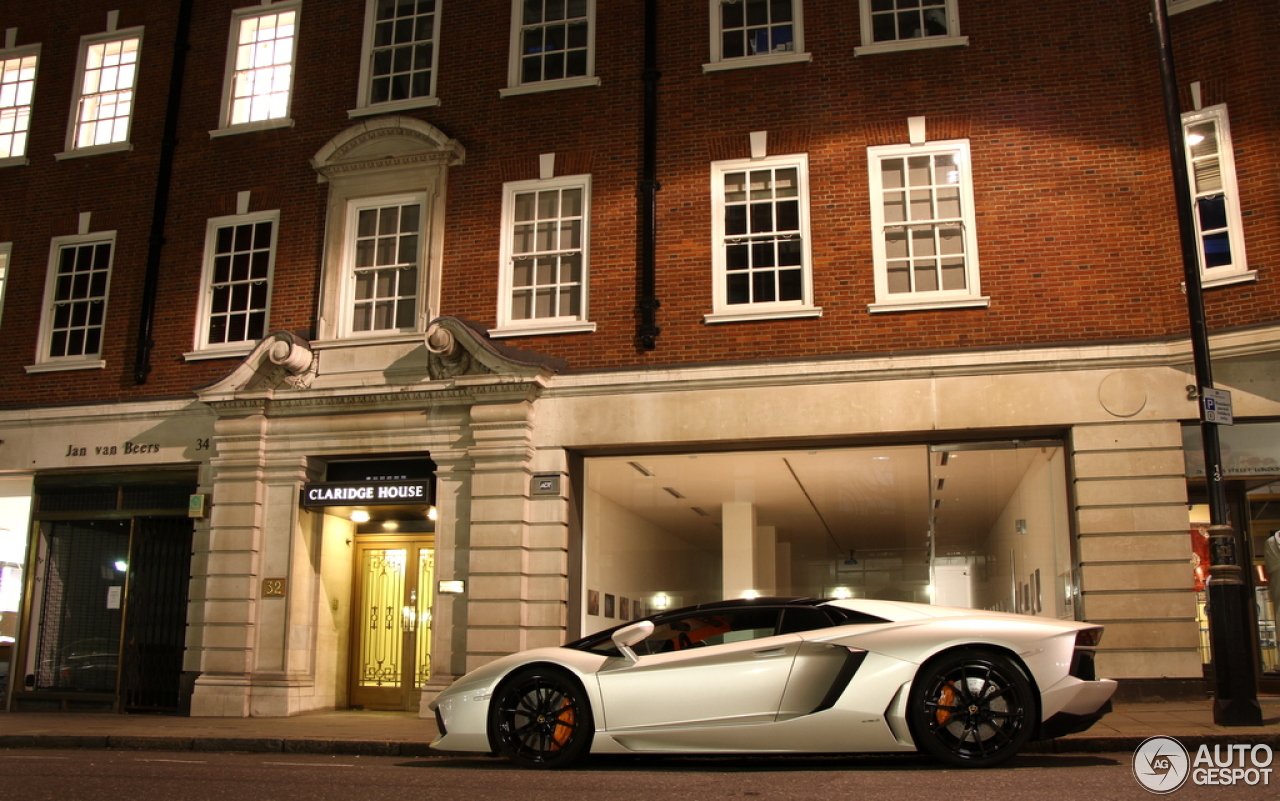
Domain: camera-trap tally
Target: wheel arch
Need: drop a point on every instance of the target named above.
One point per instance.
(563, 670)
(1003, 651)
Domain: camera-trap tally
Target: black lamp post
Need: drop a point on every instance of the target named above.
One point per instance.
(1235, 674)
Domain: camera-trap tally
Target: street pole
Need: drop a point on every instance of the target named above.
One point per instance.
(1235, 674)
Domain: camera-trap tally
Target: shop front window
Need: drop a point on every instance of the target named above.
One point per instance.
(972, 525)
(78, 648)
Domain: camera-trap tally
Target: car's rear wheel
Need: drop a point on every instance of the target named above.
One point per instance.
(971, 708)
(541, 718)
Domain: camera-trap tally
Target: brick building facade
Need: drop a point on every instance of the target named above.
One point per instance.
(255, 249)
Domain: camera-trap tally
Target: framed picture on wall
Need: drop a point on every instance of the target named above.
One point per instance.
(593, 602)
(608, 605)
(624, 609)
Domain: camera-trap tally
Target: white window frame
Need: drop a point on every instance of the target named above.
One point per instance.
(6, 253)
(364, 103)
(86, 361)
(508, 324)
(348, 294)
(79, 97)
(16, 97)
(722, 310)
(1178, 6)
(203, 347)
(1238, 270)
(870, 46)
(719, 62)
(515, 86)
(239, 17)
(969, 297)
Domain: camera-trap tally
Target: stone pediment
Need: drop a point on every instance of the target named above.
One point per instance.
(381, 143)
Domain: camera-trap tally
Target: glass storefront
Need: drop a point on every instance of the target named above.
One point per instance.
(1251, 464)
(106, 622)
(15, 512)
(981, 525)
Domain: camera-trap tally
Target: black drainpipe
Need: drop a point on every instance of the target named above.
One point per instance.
(647, 331)
(164, 179)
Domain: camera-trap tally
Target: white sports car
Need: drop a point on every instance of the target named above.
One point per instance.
(772, 675)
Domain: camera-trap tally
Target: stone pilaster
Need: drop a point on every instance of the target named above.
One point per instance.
(1135, 548)
(519, 586)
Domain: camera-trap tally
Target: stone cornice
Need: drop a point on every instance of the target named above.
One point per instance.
(1174, 354)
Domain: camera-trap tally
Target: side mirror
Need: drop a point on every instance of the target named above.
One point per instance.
(628, 636)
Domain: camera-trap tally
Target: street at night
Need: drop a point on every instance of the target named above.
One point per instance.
(37, 775)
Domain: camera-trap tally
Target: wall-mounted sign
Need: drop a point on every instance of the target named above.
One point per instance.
(369, 493)
(1217, 406)
(545, 485)
(273, 587)
(198, 506)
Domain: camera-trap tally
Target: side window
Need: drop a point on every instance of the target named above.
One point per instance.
(236, 284)
(17, 87)
(760, 239)
(704, 629)
(258, 83)
(75, 302)
(748, 33)
(924, 238)
(102, 106)
(896, 25)
(399, 66)
(803, 618)
(545, 255)
(1215, 197)
(552, 45)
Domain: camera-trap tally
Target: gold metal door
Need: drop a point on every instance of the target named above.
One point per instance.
(391, 626)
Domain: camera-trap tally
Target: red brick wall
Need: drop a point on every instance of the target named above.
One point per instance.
(1060, 101)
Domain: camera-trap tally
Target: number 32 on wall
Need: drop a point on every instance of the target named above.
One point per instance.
(273, 587)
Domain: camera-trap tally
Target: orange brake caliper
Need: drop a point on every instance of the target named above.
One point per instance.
(947, 697)
(564, 726)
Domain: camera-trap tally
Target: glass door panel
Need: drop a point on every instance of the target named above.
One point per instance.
(392, 624)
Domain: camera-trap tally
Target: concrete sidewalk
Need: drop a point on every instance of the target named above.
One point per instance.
(405, 734)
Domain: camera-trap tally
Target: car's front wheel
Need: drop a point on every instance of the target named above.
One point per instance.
(541, 718)
(971, 708)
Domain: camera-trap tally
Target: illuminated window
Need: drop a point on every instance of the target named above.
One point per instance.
(17, 86)
(260, 62)
(103, 104)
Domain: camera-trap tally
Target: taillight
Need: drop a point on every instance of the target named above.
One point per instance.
(1089, 638)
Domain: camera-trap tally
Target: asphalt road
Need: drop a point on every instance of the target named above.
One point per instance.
(49, 775)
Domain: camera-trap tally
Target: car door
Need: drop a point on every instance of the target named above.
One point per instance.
(706, 668)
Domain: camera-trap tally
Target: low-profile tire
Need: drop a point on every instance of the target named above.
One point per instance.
(541, 718)
(971, 708)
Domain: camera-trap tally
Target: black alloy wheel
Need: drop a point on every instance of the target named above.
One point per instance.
(971, 708)
(541, 718)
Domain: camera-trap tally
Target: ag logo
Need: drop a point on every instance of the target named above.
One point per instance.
(1161, 764)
